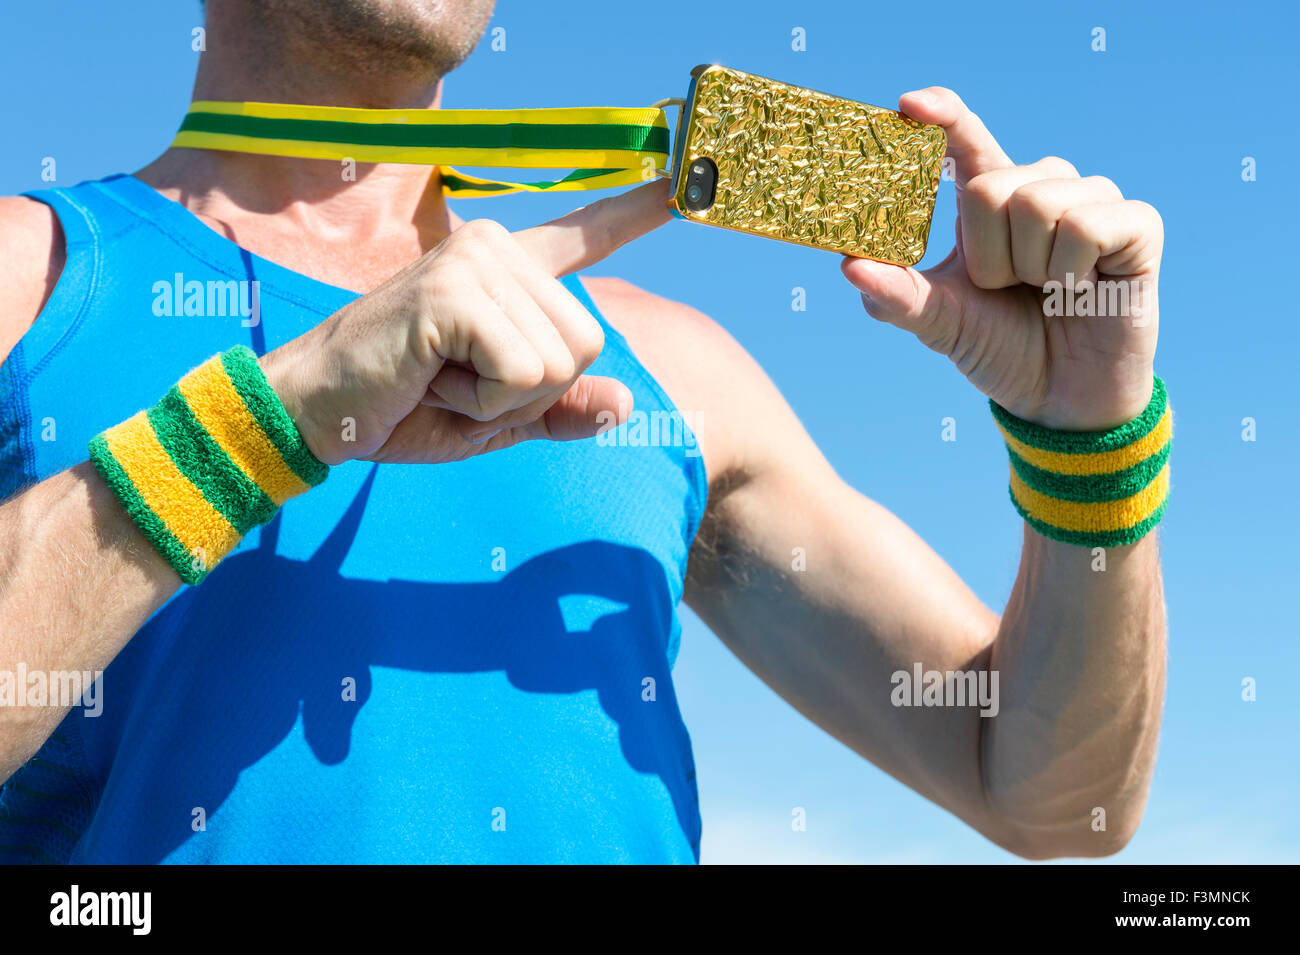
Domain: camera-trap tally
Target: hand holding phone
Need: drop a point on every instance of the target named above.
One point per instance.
(1048, 301)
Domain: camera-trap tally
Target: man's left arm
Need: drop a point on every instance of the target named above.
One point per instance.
(1078, 652)
(825, 595)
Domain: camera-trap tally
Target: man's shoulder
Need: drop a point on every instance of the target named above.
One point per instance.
(630, 306)
(709, 376)
(686, 350)
(31, 259)
(664, 332)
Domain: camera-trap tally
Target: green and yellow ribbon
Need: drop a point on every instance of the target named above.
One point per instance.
(606, 146)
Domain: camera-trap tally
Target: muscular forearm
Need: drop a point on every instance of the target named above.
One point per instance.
(77, 580)
(1080, 655)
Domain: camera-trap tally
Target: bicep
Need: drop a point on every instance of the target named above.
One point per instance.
(820, 591)
(825, 595)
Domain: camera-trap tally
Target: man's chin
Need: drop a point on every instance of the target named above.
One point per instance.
(379, 35)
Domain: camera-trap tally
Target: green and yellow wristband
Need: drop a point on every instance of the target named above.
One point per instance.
(216, 456)
(1091, 488)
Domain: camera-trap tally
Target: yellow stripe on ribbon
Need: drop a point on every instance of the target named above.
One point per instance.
(543, 116)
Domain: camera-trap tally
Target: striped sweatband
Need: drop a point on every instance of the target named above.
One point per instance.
(1092, 488)
(216, 456)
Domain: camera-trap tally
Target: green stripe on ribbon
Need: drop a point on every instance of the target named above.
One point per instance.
(472, 136)
(452, 181)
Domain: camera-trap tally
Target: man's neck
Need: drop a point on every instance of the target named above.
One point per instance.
(301, 214)
(351, 225)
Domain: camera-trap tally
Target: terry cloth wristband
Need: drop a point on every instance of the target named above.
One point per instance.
(216, 456)
(1091, 488)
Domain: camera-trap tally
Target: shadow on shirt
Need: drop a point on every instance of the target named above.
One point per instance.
(220, 676)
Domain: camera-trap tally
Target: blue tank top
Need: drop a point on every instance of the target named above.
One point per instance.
(467, 662)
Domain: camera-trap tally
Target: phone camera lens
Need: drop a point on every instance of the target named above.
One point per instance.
(701, 184)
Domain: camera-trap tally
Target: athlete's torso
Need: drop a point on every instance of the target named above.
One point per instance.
(467, 662)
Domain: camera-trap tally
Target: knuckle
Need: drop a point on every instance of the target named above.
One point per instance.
(591, 343)
(1075, 224)
(1104, 184)
(989, 280)
(985, 190)
(1031, 273)
(1152, 213)
(1072, 220)
(564, 372)
(561, 371)
(586, 338)
(1062, 273)
(989, 271)
(944, 94)
(986, 273)
(1062, 167)
(1032, 200)
(528, 374)
(481, 231)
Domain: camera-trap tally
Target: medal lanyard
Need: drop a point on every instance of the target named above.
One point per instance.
(605, 146)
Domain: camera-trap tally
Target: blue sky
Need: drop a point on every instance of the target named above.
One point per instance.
(1169, 111)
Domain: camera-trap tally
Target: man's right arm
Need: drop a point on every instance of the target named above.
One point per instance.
(77, 579)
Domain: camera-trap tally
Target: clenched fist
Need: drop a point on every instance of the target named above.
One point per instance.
(1047, 303)
(473, 347)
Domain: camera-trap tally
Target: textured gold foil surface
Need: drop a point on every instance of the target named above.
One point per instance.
(818, 170)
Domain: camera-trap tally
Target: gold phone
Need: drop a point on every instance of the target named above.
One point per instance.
(763, 157)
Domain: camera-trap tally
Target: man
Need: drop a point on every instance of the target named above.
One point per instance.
(471, 659)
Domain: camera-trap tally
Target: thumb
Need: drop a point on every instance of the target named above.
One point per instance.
(890, 293)
(591, 406)
(906, 298)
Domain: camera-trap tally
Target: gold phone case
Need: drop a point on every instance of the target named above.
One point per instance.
(809, 168)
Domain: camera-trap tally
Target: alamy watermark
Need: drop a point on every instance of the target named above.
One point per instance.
(23, 687)
(649, 429)
(213, 298)
(1104, 298)
(132, 910)
(922, 687)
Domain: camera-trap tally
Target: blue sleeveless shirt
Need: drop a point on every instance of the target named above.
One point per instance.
(466, 662)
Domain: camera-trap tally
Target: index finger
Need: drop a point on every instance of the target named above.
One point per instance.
(969, 141)
(585, 236)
